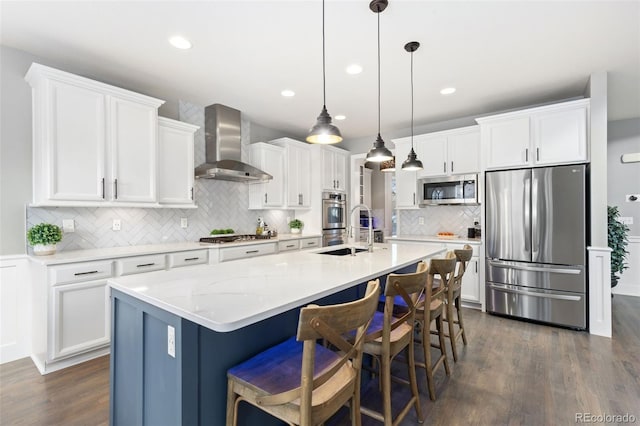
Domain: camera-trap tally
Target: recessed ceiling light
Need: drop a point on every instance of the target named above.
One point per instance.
(354, 69)
(180, 42)
(288, 93)
(340, 117)
(448, 91)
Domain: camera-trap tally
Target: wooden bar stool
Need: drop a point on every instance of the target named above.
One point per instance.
(387, 336)
(432, 309)
(453, 300)
(301, 382)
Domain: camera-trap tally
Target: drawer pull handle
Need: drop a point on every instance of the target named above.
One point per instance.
(142, 265)
(252, 251)
(86, 273)
(312, 243)
(188, 259)
(291, 245)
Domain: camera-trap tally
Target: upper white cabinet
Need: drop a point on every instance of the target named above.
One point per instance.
(270, 194)
(448, 152)
(334, 168)
(92, 143)
(298, 172)
(552, 134)
(406, 185)
(175, 161)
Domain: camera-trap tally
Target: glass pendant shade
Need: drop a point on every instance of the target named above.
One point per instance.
(388, 166)
(379, 152)
(324, 132)
(412, 163)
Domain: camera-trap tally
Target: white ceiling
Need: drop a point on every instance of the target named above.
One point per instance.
(499, 55)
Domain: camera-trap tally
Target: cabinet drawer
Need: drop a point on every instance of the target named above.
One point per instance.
(140, 264)
(242, 252)
(187, 258)
(288, 245)
(453, 246)
(77, 272)
(306, 243)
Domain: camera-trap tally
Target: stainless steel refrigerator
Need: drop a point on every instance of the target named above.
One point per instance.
(536, 244)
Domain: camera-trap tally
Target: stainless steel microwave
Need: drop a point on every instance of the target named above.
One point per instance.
(447, 190)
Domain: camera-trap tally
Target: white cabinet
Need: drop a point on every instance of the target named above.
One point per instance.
(175, 161)
(406, 185)
(366, 186)
(270, 194)
(298, 173)
(92, 143)
(140, 264)
(333, 167)
(80, 318)
(552, 134)
(307, 243)
(245, 251)
(288, 245)
(449, 152)
(188, 258)
(470, 291)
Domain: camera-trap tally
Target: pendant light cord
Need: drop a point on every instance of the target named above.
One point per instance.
(378, 70)
(324, 83)
(412, 100)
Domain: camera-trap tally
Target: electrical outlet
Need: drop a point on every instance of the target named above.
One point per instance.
(68, 225)
(171, 341)
(420, 220)
(632, 198)
(184, 222)
(116, 225)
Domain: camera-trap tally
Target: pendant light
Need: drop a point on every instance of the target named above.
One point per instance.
(388, 166)
(412, 163)
(379, 152)
(324, 132)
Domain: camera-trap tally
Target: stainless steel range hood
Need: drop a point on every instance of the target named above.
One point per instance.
(223, 148)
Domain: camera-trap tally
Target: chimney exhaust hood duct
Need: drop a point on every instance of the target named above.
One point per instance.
(223, 148)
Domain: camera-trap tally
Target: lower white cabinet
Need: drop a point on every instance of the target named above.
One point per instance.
(80, 318)
(306, 243)
(471, 282)
(242, 252)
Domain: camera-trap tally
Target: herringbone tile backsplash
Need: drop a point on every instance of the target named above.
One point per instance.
(454, 219)
(221, 204)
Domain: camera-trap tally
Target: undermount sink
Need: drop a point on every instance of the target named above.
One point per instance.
(343, 251)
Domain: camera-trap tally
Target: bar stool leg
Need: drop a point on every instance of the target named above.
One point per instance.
(385, 375)
(460, 323)
(231, 405)
(452, 330)
(443, 348)
(413, 380)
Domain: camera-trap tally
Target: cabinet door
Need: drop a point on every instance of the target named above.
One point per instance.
(175, 165)
(303, 178)
(75, 154)
(506, 143)
(366, 187)
(432, 151)
(81, 318)
(463, 152)
(340, 171)
(560, 136)
(274, 189)
(406, 196)
(471, 282)
(133, 141)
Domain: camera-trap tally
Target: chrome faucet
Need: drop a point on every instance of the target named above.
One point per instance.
(370, 236)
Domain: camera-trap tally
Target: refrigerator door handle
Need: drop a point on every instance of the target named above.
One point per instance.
(536, 269)
(535, 220)
(535, 294)
(526, 204)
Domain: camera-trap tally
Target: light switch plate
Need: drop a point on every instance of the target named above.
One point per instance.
(68, 225)
(116, 225)
(184, 222)
(420, 220)
(171, 341)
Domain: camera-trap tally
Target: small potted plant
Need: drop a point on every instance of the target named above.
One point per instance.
(617, 240)
(295, 226)
(43, 237)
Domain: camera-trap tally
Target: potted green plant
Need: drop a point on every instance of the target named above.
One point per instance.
(295, 226)
(43, 237)
(617, 238)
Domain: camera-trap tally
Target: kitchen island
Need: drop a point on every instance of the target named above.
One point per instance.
(175, 333)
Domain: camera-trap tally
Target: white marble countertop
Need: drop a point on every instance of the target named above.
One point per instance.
(231, 295)
(73, 256)
(434, 238)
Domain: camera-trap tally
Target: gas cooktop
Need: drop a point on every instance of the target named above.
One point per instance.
(222, 239)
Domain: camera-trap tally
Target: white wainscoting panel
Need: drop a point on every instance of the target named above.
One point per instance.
(629, 283)
(600, 291)
(15, 308)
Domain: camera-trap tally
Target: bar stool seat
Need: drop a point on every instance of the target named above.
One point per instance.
(300, 381)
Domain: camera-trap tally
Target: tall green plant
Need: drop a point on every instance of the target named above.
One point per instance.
(617, 241)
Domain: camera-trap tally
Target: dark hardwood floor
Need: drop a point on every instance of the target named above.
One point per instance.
(512, 372)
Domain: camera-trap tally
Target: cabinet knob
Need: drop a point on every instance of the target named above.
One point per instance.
(526, 155)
